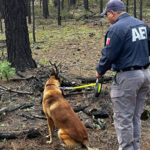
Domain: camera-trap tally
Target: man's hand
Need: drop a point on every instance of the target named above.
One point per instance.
(97, 75)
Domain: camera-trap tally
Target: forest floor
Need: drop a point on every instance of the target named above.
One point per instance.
(76, 45)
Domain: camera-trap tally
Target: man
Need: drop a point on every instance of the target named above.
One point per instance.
(126, 52)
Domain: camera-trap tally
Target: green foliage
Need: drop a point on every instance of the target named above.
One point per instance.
(43, 61)
(6, 71)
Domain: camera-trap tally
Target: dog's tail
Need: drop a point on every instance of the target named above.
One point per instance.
(89, 148)
(86, 144)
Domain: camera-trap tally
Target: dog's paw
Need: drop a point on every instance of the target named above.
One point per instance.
(49, 142)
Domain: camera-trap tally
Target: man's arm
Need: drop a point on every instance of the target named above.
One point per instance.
(109, 53)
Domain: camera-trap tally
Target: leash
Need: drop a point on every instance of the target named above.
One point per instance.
(98, 87)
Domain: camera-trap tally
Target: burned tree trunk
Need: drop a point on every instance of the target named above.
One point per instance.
(59, 15)
(62, 4)
(33, 27)
(17, 36)
(72, 2)
(127, 5)
(135, 8)
(141, 9)
(55, 3)
(1, 27)
(45, 9)
(101, 6)
(1, 14)
(1, 9)
(86, 5)
(29, 11)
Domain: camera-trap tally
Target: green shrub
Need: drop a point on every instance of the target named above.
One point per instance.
(6, 71)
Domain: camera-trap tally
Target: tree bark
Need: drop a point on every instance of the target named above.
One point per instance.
(45, 9)
(72, 2)
(1, 9)
(59, 15)
(55, 3)
(17, 36)
(135, 8)
(33, 27)
(1, 26)
(29, 11)
(62, 4)
(101, 6)
(127, 5)
(86, 5)
(141, 9)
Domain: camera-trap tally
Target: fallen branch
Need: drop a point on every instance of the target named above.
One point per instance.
(79, 108)
(7, 135)
(31, 133)
(32, 116)
(22, 106)
(19, 79)
(15, 91)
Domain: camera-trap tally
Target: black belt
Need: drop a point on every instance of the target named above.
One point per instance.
(133, 68)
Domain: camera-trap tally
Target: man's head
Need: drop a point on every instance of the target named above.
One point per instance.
(114, 8)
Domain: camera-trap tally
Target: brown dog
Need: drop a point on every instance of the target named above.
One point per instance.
(60, 114)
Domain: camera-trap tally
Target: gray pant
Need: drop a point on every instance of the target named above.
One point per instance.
(128, 93)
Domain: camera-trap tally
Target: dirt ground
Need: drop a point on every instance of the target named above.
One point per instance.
(24, 111)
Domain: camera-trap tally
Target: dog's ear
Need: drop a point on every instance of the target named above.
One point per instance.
(55, 71)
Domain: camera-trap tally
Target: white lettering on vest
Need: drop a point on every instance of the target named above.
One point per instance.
(139, 34)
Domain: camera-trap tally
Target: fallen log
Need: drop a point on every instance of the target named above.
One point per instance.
(32, 116)
(31, 133)
(15, 91)
(21, 106)
(7, 135)
(23, 78)
(79, 108)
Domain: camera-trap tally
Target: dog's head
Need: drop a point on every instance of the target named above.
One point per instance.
(55, 77)
(53, 81)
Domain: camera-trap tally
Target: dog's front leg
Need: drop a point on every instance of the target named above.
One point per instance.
(50, 127)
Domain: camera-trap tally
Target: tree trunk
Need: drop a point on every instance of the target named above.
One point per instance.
(127, 5)
(45, 9)
(86, 5)
(1, 9)
(135, 8)
(55, 3)
(141, 9)
(29, 11)
(40, 3)
(59, 16)
(72, 2)
(101, 6)
(62, 4)
(17, 36)
(1, 27)
(34, 39)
